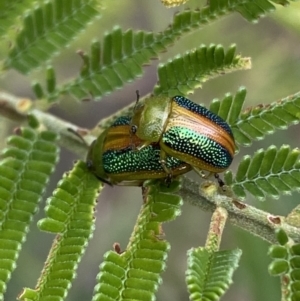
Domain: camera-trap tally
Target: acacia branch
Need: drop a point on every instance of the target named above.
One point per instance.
(247, 217)
(206, 196)
(71, 136)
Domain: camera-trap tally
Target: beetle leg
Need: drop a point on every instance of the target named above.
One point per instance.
(133, 127)
(79, 133)
(206, 176)
(168, 180)
(163, 163)
(132, 131)
(201, 173)
(104, 181)
(137, 99)
(220, 181)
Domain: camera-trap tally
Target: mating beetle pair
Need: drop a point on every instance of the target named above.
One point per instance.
(115, 159)
(168, 137)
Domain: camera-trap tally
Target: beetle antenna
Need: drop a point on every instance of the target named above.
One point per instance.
(137, 92)
(133, 127)
(78, 134)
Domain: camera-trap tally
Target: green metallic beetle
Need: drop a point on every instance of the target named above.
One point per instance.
(114, 159)
(186, 131)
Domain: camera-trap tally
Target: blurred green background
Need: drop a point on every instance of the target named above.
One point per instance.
(274, 46)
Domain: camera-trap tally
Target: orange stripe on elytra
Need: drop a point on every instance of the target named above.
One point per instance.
(202, 125)
(119, 137)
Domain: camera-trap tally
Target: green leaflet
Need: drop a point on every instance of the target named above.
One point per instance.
(122, 55)
(210, 273)
(119, 60)
(269, 172)
(27, 164)
(250, 10)
(10, 12)
(123, 59)
(70, 212)
(47, 29)
(285, 263)
(255, 123)
(135, 273)
(186, 73)
(49, 26)
(230, 107)
(253, 10)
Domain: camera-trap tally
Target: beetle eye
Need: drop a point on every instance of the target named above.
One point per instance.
(133, 129)
(89, 164)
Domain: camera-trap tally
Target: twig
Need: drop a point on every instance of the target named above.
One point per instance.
(249, 218)
(76, 139)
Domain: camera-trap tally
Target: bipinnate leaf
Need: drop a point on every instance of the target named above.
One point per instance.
(286, 263)
(25, 168)
(121, 56)
(70, 213)
(187, 72)
(135, 273)
(268, 173)
(48, 28)
(209, 273)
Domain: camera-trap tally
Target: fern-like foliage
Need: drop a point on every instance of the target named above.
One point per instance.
(186, 73)
(47, 29)
(70, 213)
(120, 60)
(285, 263)
(123, 54)
(27, 164)
(180, 76)
(210, 273)
(256, 122)
(268, 173)
(251, 10)
(135, 273)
